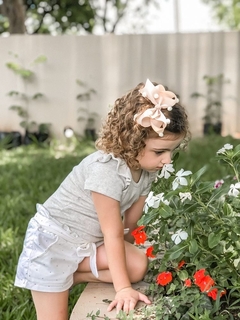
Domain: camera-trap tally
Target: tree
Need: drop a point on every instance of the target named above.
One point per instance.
(227, 12)
(109, 13)
(46, 16)
(14, 10)
(72, 16)
(58, 16)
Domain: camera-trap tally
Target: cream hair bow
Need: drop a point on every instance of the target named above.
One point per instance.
(161, 99)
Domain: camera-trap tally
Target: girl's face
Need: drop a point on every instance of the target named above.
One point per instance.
(158, 152)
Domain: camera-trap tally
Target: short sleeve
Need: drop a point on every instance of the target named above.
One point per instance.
(102, 177)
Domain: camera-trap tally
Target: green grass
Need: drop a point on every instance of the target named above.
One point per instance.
(29, 175)
(202, 151)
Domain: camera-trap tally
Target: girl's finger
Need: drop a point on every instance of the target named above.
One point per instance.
(112, 305)
(144, 298)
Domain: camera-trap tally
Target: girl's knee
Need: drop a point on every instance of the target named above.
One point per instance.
(138, 266)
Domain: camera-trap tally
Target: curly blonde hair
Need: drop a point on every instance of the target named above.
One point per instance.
(124, 138)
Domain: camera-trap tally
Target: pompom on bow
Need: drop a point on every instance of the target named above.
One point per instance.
(161, 99)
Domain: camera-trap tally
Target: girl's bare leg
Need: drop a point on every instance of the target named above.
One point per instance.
(51, 305)
(137, 263)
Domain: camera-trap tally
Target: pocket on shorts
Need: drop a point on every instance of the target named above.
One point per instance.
(42, 240)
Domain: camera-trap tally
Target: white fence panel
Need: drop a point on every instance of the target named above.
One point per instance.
(113, 64)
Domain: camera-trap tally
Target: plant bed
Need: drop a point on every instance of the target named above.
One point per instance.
(195, 226)
(9, 140)
(35, 137)
(210, 128)
(213, 108)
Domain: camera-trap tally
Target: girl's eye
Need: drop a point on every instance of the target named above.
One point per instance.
(159, 152)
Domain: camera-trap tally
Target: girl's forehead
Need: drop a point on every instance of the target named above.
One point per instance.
(163, 142)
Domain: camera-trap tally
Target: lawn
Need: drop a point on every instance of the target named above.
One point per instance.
(29, 175)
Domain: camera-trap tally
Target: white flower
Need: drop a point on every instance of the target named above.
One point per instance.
(221, 151)
(166, 171)
(179, 236)
(180, 180)
(226, 147)
(234, 189)
(185, 195)
(154, 201)
(161, 195)
(236, 262)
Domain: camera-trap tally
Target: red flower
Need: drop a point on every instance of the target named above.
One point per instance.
(164, 278)
(139, 235)
(204, 282)
(149, 252)
(199, 275)
(188, 283)
(181, 263)
(213, 293)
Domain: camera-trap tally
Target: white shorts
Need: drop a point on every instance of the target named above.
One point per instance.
(51, 254)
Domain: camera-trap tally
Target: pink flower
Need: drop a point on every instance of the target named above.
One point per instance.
(218, 183)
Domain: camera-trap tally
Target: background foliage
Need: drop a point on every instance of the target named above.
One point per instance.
(227, 12)
(66, 16)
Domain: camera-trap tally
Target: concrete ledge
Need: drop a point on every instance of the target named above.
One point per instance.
(91, 300)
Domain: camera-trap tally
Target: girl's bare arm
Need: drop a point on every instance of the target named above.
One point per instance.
(109, 216)
(131, 217)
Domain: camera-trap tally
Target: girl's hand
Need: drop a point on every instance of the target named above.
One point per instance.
(126, 300)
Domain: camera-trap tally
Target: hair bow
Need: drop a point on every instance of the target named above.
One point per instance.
(161, 99)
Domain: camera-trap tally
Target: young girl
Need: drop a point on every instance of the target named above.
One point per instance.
(82, 233)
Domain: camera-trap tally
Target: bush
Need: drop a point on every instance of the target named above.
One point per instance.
(194, 227)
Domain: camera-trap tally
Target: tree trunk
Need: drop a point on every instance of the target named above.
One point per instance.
(14, 10)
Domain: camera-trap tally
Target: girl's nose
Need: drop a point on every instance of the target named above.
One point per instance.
(167, 158)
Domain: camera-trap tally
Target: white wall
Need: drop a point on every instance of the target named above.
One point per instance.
(113, 64)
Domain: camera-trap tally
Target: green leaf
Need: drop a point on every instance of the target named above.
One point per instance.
(217, 194)
(213, 239)
(40, 59)
(227, 209)
(193, 246)
(25, 73)
(37, 95)
(176, 251)
(175, 156)
(13, 93)
(148, 217)
(165, 211)
(183, 275)
(197, 175)
(204, 187)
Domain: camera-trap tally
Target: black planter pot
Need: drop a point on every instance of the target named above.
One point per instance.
(210, 128)
(29, 137)
(91, 134)
(35, 137)
(42, 136)
(10, 139)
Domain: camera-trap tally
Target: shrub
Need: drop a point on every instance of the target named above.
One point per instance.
(193, 227)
